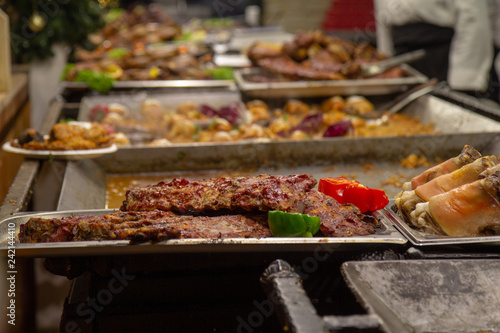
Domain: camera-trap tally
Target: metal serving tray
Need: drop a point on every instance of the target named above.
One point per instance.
(428, 295)
(419, 238)
(457, 126)
(370, 160)
(155, 84)
(171, 99)
(295, 89)
(387, 234)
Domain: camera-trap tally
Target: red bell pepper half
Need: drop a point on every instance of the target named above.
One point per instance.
(351, 191)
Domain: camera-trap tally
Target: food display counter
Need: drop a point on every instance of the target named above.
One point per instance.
(205, 270)
(367, 279)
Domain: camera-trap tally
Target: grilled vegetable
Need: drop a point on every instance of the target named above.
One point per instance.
(351, 191)
(284, 224)
(95, 80)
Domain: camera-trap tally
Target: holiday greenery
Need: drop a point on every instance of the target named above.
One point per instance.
(36, 25)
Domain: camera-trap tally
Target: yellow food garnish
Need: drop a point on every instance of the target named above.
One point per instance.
(154, 72)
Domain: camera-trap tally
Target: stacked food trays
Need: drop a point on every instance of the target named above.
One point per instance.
(374, 161)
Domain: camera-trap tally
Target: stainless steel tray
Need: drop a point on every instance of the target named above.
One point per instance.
(296, 89)
(155, 84)
(428, 295)
(171, 99)
(387, 234)
(457, 127)
(419, 238)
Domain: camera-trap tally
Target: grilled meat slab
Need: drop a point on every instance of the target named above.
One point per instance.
(338, 220)
(205, 209)
(263, 192)
(260, 193)
(142, 226)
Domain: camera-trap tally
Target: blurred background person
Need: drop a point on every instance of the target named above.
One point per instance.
(456, 35)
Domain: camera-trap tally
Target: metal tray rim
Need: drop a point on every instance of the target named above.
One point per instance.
(419, 238)
(389, 236)
(267, 141)
(157, 84)
(415, 78)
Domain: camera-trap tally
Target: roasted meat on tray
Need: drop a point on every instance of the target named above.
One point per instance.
(223, 207)
(466, 156)
(469, 210)
(142, 226)
(66, 136)
(313, 55)
(292, 194)
(263, 192)
(459, 197)
(407, 200)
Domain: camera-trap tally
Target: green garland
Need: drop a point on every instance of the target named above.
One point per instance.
(66, 22)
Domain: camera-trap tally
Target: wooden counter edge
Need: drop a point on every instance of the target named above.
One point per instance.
(13, 100)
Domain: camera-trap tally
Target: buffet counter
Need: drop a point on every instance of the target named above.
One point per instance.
(19, 193)
(14, 117)
(208, 276)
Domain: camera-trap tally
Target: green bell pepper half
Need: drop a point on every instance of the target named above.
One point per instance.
(283, 224)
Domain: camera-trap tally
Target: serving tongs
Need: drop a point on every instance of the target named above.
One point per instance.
(400, 101)
(375, 68)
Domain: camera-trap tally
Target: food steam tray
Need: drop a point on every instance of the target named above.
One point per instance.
(291, 89)
(168, 100)
(156, 84)
(419, 238)
(386, 234)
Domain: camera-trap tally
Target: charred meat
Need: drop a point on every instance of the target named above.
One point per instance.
(260, 193)
(223, 207)
(263, 192)
(142, 226)
(338, 220)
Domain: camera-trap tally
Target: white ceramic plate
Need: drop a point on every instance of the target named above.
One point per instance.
(72, 155)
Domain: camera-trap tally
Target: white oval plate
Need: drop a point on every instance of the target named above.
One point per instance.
(71, 155)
